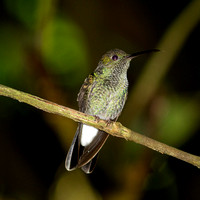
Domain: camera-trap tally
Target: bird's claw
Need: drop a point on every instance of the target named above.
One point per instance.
(109, 122)
(97, 118)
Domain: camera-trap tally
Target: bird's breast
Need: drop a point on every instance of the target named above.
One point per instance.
(106, 100)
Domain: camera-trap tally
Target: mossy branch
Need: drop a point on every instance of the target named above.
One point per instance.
(115, 128)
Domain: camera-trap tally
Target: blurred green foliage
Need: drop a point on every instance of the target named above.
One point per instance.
(24, 11)
(65, 50)
(49, 47)
(11, 54)
(178, 121)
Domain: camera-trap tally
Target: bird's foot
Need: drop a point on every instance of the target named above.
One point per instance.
(97, 118)
(109, 122)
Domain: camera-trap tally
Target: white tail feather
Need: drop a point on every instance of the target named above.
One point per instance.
(88, 134)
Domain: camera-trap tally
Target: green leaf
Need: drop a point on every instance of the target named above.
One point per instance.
(64, 50)
(25, 11)
(11, 56)
(179, 121)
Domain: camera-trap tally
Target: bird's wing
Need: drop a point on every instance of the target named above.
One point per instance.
(84, 92)
(79, 155)
(88, 154)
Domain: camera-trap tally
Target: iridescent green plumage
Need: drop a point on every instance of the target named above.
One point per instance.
(103, 94)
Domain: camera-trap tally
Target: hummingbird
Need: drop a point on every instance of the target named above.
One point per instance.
(103, 95)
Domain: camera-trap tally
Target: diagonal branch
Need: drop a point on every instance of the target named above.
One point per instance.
(115, 128)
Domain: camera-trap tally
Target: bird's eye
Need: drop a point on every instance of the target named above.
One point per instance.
(115, 57)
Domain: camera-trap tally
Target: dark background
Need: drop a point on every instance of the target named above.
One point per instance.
(47, 48)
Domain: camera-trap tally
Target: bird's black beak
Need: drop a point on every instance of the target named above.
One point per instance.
(141, 53)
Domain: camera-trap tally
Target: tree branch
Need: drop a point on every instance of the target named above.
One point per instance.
(115, 128)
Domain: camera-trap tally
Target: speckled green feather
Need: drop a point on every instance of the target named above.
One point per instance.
(103, 94)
